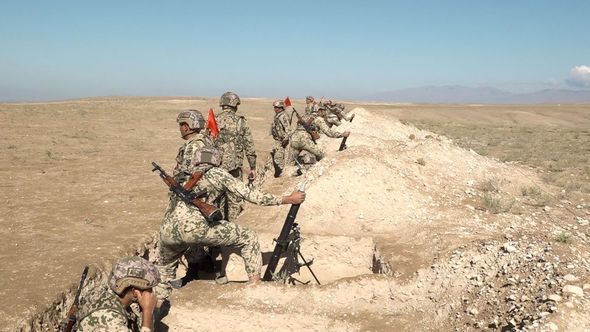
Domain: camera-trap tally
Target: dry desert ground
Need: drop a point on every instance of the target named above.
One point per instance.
(436, 217)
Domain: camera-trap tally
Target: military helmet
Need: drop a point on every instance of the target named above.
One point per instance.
(133, 271)
(229, 99)
(193, 118)
(278, 103)
(207, 155)
(309, 99)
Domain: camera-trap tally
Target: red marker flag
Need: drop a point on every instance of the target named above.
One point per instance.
(212, 124)
(287, 102)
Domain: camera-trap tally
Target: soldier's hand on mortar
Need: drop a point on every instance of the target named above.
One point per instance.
(346, 133)
(296, 197)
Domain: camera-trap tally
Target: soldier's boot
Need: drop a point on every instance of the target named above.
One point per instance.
(192, 273)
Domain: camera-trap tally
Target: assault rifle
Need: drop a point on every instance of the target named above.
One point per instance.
(306, 124)
(288, 241)
(210, 212)
(68, 324)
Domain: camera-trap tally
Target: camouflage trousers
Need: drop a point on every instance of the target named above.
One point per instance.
(301, 141)
(184, 226)
(278, 157)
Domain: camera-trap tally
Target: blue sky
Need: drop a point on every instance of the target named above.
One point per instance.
(342, 49)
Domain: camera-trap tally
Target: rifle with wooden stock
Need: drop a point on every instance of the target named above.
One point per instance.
(305, 124)
(210, 212)
(68, 324)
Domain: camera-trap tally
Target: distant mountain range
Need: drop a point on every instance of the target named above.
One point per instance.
(465, 95)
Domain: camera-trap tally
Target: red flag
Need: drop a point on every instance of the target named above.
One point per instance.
(212, 124)
(287, 102)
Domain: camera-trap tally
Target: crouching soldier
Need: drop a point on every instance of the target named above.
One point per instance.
(185, 226)
(131, 281)
(307, 132)
(334, 113)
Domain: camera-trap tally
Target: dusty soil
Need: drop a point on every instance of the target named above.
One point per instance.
(459, 245)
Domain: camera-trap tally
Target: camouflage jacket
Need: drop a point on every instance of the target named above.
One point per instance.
(182, 218)
(185, 165)
(218, 182)
(108, 314)
(311, 109)
(235, 139)
(280, 126)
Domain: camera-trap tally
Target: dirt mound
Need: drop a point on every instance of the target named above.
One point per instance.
(435, 215)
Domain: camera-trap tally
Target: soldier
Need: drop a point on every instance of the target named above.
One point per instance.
(184, 226)
(301, 140)
(131, 281)
(311, 107)
(280, 133)
(235, 140)
(335, 113)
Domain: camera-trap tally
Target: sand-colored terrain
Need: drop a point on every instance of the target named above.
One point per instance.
(408, 231)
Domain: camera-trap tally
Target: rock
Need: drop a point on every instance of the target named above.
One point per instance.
(508, 247)
(573, 290)
(554, 297)
(552, 327)
(570, 278)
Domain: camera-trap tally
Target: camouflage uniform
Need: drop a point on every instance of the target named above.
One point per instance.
(334, 114)
(184, 225)
(301, 139)
(280, 132)
(311, 108)
(107, 312)
(235, 140)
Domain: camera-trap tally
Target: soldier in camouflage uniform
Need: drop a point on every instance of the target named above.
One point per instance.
(235, 140)
(280, 133)
(335, 113)
(311, 108)
(131, 281)
(184, 226)
(301, 140)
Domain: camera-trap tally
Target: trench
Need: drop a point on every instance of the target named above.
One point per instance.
(333, 258)
(357, 257)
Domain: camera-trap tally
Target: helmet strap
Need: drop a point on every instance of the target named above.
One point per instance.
(193, 131)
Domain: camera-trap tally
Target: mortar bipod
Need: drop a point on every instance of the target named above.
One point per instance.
(292, 245)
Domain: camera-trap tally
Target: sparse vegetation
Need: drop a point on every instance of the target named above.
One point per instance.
(412, 136)
(421, 162)
(537, 196)
(562, 152)
(495, 204)
(564, 237)
(530, 191)
(490, 186)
